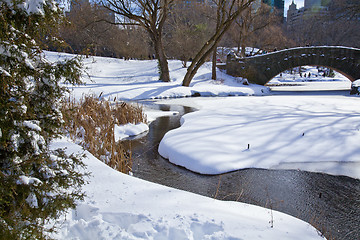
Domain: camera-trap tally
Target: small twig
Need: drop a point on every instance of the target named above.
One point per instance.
(217, 188)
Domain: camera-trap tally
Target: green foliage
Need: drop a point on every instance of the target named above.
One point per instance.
(36, 184)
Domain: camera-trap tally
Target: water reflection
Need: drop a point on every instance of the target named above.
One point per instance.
(330, 203)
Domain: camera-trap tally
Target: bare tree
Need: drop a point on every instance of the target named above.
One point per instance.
(86, 32)
(81, 32)
(135, 43)
(150, 15)
(250, 24)
(270, 38)
(343, 21)
(227, 12)
(337, 25)
(349, 9)
(186, 30)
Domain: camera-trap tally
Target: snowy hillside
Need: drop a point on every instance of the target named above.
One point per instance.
(119, 206)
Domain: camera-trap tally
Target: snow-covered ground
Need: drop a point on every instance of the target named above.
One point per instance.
(318, 133)
(137, 80)
(314, 133)
(119, 206)
(311, 79)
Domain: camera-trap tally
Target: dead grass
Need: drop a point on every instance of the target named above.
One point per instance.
(90, 122)
(321, 228)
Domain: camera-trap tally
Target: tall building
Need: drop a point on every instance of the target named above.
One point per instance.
(295, 17)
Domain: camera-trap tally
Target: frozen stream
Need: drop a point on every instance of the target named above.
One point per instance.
(330, 203)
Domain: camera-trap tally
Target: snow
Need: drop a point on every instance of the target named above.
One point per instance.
(119, 206)
(32, 200)
(34, 6)
(15, 141)
(27, 180)
(314, 132)
(309, 132)
(34, 125)
(283, 132)
(356, 83)
(138, 80)
(4, 72)
(303, 55)
(128, 130)
(311, 79)
(152, 114)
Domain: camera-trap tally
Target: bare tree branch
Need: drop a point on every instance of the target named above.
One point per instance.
(150, 15)
(228, 11)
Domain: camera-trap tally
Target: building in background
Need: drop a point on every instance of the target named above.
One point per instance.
(312, 3)
(296, 17)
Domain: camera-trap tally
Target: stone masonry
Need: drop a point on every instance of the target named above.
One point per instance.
(262, 68)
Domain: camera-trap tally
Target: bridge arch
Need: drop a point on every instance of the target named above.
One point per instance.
(262, 68)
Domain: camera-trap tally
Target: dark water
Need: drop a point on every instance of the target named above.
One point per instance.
(329, 203)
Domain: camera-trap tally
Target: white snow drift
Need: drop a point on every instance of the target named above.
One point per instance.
(319, 133)
(119, 206)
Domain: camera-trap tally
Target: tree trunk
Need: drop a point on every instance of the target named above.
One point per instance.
(214, 60)
(162, 59)
(199, 60)
(243, 50)
(242, 41)
(190, 74)
(204, 53)
(210, 46)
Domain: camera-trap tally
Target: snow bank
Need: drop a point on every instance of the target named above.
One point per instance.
(319, 133)
(128, 130)
(152, 114)
(119, 206)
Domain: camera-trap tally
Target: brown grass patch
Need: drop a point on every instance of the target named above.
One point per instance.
(90, 123)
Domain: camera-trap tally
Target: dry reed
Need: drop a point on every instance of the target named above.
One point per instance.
(90, 122)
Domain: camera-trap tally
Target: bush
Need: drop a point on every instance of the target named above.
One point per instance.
(90, 123)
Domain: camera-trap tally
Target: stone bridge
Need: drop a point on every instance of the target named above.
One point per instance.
(262, 68)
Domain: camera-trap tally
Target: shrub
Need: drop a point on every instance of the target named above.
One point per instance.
(91, 122)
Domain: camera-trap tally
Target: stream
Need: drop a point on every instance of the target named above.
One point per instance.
(329, 203)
